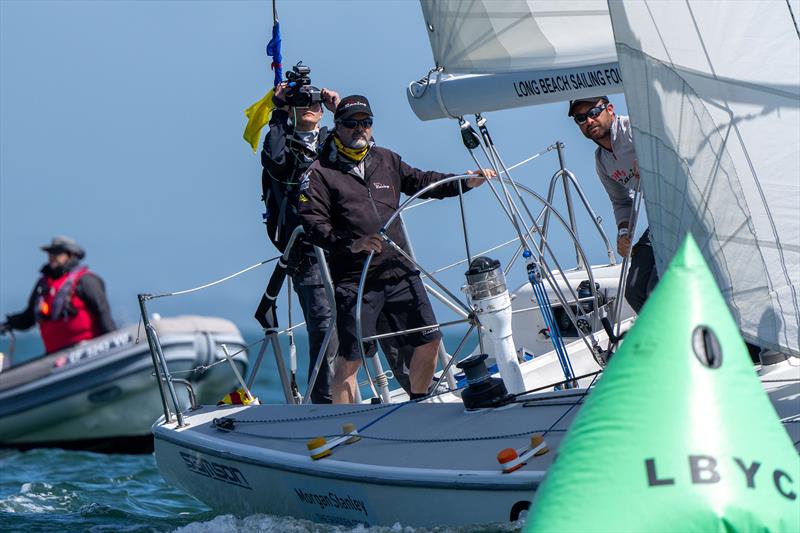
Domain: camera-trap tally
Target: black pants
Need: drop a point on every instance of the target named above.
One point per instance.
(642, 275)
(307, 281)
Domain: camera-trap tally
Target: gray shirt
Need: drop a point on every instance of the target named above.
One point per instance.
(615, 169)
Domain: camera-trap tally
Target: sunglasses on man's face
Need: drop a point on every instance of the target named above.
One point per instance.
(351, 123)
(581, 118)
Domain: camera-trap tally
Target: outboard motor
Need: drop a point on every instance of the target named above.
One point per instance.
(488, 295)
(482, 389)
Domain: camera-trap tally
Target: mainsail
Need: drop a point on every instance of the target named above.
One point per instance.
(713, 90)
(501, 54)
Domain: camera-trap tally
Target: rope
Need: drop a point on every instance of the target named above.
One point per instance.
(202, 368)
(794, 21)
(555, 335)
(427, 82)
(543, 387)
(384, 415)
(560, 418)
(316, 417)
(407, 441)
(201, 287)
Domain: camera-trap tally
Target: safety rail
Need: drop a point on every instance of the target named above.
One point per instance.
(164, 377)
(379, 383)
(484, 141)
(524, 238)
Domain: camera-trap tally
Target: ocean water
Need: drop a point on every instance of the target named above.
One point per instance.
(66, 491)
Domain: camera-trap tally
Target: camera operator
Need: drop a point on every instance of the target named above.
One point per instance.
(290, 146)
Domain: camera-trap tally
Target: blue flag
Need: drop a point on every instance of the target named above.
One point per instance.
(274, 51)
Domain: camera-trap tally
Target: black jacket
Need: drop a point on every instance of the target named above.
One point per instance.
(280, 179)
(337, 207)
(90, 288)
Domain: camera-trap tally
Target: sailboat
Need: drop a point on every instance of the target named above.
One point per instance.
(709, 137)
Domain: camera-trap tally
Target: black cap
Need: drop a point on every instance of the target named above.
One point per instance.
(64, 244)
(590, 100)
(351, 105)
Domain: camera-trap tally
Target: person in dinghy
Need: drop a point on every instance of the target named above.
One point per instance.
(346, 196)
(68, 301)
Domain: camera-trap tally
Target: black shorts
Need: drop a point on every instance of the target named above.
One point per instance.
(398, 305)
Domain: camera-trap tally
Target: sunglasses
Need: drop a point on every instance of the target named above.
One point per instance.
(581, 118)
(350, 123)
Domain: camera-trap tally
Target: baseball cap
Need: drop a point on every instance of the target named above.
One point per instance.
(351, 105)
(590, 100)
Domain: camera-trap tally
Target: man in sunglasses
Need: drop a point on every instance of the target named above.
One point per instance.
(615, 160)
(347, 195)
(68, 303)
(290, 146)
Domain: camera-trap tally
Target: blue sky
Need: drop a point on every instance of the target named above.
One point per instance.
(122, 127)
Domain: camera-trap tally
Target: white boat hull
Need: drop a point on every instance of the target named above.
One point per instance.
(420, 484)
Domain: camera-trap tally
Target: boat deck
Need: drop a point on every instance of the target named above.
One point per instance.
(435, 437)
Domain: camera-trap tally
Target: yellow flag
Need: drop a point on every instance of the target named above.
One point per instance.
(257, 117)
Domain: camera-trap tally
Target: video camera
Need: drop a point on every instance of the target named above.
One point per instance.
(299, 91)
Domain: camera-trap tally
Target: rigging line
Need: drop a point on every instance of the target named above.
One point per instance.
(548, 149)
(553, 328)
(449, 364)
(201, 287)
(402, 440)
(553, 397)
(427, 80)
(203, 368)
(524, 161)
(313, 417)
(490, 151)
(551, 385)
(462, 261)
(384, 415)
(560, 418)
(794, 21)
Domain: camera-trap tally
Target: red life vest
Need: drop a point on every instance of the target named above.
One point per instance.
(63, 317)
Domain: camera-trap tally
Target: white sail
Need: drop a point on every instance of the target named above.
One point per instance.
(713, 90)
(502, 54)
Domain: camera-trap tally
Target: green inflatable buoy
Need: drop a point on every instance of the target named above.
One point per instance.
(678, 434)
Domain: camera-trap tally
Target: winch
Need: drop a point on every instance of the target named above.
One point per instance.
(482, 389)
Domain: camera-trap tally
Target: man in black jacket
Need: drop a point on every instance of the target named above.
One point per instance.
(290, 146)
(345, 197)
(68, 301)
